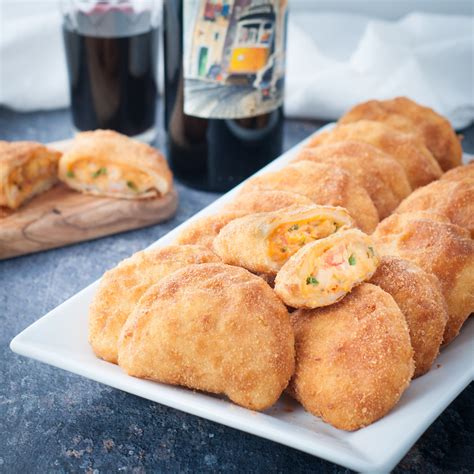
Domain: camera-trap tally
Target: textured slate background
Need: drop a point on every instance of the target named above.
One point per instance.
(53, 421)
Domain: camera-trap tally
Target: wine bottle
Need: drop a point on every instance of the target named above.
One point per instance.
(224, 83)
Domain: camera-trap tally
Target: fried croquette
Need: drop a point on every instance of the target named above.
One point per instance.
(450, 198)
(464, 173)
(382, 176)
(325, 270)
(26, 170)
(121, 287)
(212, 327)
(263, 242)
(409, 117)
(419, 164)
(204, 230)
(419, 296)
(353, 359)
(324, 184)
(107, 163)
(266, 201)
(438, 247)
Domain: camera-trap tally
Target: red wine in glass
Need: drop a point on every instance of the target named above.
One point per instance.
(111, 53)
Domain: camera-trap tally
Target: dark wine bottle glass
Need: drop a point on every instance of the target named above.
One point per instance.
(224, 85)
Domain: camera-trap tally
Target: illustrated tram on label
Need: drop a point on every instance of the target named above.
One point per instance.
(236, 49)
(254, 44)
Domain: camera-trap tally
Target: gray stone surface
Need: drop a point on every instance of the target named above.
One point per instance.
(53, 421)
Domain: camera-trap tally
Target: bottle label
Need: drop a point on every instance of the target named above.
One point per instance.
(234, 57)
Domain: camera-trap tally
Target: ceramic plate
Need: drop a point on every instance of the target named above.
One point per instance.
(60, 339)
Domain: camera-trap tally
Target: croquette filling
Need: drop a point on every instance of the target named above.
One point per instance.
(108, 178)
(338, 268)
(23, 180)
(288, 238)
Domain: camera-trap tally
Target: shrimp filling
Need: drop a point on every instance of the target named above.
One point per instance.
(288, 238)
(338, 268)
(26, 179)
(108, 178)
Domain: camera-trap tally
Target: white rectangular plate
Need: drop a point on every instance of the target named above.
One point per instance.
(60, 339)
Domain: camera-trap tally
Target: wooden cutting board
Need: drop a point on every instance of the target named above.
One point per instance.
(62, 216)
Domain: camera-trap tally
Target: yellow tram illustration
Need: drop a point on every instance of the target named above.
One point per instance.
(254, 41)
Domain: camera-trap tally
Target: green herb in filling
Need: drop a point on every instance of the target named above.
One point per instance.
(352, 260)
(132, 186)
(293, 227)
(371, 251)
(311, 280)
(70, 174)
(99, 172)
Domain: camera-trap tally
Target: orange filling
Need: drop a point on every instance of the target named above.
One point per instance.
(110, 177)
(288, 238)
(337, 268)
(24, 178)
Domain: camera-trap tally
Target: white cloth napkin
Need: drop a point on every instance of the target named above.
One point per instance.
(334, 61)
(33, 71)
